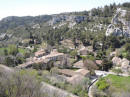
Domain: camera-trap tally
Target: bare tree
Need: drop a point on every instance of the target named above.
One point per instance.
(18, 85)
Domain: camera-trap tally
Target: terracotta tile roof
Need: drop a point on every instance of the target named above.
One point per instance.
(54, 55)
(67, 72)
(79, 64)
(83, 72)
(40, 52)
(71, 73)
(43, 59)
(76, 79)
(99, 62)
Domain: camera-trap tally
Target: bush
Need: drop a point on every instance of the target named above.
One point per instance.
(13, 50)
(73, 53)
(117, 71)
(127, 47)
(80, 92)
(102, 84)
(64, 50)
(20, 59)
(17, 85)
(10, 61)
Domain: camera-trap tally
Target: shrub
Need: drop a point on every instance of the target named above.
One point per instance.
(117, 71)
(17, 85)
(102, 84)
(73, 53)
(13, 50)
(10, 61)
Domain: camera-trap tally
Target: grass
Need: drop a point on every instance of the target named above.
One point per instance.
(102, 84)
(116, 83)
(119, 82)
(32, 72)
(21, 50)
(2, 51)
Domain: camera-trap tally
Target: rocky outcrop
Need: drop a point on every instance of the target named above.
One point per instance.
(117, 61)
(124, 64)
(110, 29)
(125, 67)
(36, 26)
(68, 18)
(113, 30)
(118, 19)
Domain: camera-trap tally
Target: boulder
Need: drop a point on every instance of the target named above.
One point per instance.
(125, 67)
(117, 20)
(117, 61)
(122, 63)
(125, 62)
(110, 29)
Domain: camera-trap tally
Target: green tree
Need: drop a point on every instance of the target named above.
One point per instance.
(106, 64)
(13, 50)
(10, 61)
(5, 52)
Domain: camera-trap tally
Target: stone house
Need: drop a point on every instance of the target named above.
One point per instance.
(70, 73)
(85, 50)
(79, 64)
(83, 72)
(67, 72)
(40, 53)
(99, 62)
(76, 79)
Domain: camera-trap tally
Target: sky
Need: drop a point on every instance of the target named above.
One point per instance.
(41, 7)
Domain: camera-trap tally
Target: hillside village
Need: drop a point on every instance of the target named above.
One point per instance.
(76, 54)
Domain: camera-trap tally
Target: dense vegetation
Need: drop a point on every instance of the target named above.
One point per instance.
(13, 55)
(19, 84)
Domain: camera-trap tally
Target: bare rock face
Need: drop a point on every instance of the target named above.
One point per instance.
(36, 26)
(116, 61)
(123, 63)
(3, 36)
(68, 18)
(118, 19)
(126, 29)
(113, 30)
(115, 19)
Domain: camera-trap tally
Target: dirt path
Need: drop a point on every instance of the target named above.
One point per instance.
(90, 88)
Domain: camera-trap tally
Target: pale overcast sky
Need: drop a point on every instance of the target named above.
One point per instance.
(40, 7)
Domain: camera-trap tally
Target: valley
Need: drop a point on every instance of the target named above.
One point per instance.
(74, 54)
